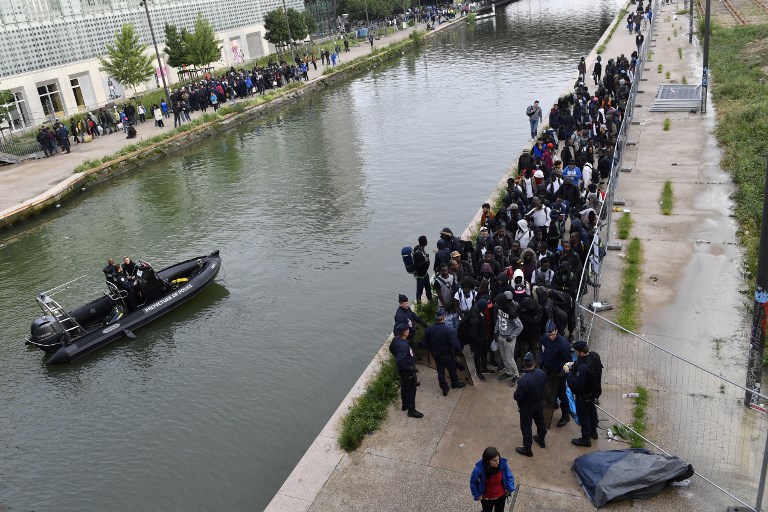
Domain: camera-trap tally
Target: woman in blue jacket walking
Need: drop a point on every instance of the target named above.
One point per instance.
(492, 481)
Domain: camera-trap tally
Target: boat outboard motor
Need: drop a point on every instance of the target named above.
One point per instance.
(45, 331)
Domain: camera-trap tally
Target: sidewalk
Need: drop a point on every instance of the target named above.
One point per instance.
(31, 181)
(425, 464)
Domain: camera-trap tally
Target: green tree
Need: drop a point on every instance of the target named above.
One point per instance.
(6, 97)
(125, 60)
(277, 31)
(176, 46)
(201, 45)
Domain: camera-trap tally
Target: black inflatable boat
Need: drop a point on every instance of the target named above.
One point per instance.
(68, 336)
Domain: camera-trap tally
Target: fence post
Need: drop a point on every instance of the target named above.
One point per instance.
(760, 312)
(761, 485)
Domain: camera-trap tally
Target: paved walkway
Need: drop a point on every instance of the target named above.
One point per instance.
(425, 464)
(26, 183)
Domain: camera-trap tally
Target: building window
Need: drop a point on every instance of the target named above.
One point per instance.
(75, 83)
(51, 99)
(17, 113)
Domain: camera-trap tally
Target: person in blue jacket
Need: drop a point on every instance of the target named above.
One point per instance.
(492, 481)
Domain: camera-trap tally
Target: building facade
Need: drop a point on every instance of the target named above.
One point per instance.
(49, 49)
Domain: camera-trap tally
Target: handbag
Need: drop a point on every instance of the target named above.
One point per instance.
(119, 126)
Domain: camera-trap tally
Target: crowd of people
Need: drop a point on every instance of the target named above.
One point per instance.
(510, 293)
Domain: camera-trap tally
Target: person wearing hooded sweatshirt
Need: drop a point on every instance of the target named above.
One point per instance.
(451, 242)
(442, 256)
(478, 335)
(492, 481)
(508, 327)
(529, 264)
(523, 234)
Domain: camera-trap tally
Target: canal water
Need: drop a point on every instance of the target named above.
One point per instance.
(212, 405)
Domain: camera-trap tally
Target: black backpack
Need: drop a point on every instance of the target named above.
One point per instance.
(463, 331)
(596, 367)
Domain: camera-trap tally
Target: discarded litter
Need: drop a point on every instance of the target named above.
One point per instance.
(701, 241)
(630, 395)
(681, 483)
(461, 445)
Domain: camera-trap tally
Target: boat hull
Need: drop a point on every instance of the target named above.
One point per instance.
(105, 335)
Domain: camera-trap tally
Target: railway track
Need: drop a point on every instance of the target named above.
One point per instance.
(760, 4)
(735, 12)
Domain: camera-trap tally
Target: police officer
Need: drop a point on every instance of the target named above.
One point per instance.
(584, 380)
(405, 315)
(555, 352)
(406, 368)
(441, 341)
(529, 396)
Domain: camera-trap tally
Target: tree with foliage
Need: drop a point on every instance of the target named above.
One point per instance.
(377, 9)
(176, 46)
(6, 98)
(201, 45)
(125, 60)
(310, 22)
(277, 30)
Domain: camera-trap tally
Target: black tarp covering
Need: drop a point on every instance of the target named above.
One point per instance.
(608, 476)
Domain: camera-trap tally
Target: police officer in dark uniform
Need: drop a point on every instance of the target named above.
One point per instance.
(405, 315)
(529, 396)
(555, 352)
(406, 368)
(441, 341)
(584, 380)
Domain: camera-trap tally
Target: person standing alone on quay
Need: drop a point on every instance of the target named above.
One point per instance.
(584, 380)
(492, 481)
(406, 369)
(534, 116)
(639, 39)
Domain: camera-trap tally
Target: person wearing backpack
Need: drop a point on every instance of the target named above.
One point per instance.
(583, 378)
(421, 272)
(534, 117)
(508, 328)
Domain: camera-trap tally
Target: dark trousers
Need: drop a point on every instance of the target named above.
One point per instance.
(408, 390)
(445, 360)
(529, 415)
(480, 350)
(554, 388)
(423, 286)
(587, 413)
(496, 505)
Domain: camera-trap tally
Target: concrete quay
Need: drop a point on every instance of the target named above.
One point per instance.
(425, 464)
(32, 186)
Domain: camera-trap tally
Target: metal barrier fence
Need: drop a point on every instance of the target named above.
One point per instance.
(19, 149)
(693, 412)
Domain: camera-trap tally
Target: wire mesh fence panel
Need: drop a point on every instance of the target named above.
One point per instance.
(691, 412)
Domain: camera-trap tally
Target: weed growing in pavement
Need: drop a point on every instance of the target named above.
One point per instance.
(667, 124)
(667, 198)
(660, 68)
(624, 225)
(668, 75)
(628, 315)
(680, 53)
(684, 81)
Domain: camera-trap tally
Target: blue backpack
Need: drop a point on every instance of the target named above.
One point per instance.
(407, 254)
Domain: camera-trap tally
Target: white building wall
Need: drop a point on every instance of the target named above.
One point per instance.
(53, 40)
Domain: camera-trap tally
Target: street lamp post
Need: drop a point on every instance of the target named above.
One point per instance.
(705, 66)
(157, 52)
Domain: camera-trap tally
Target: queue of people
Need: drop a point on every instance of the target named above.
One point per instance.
(510, 292)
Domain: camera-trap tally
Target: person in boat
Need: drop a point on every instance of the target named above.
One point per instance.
(110, 270)
(130, 268)
(124, 283)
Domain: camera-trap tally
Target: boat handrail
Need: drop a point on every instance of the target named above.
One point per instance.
(53, 291)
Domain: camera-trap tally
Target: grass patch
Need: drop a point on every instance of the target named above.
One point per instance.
(650, 55)
(667, 124)
(668, 75)
(620, 17)
(624, 225)
(369, 410)
(471, 18)
(682, 12)
(667, 198)
(679, 53)
(629, 302)
(684, 81)
(639, 426)
(660, 68)
(674, 32)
